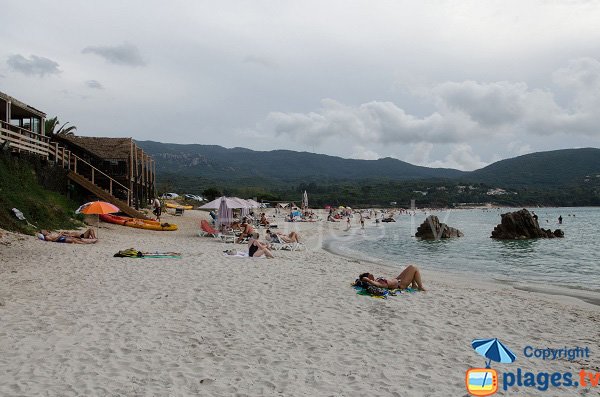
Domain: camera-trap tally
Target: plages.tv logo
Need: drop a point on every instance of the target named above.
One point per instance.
(484, 381)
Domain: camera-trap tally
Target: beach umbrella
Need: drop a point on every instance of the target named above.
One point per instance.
(232, 202)
(493, 349)
(254, 204)
(305, 200)
(97, 207)
(225, 213)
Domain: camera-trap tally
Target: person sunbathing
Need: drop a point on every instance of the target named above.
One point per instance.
(247, 231)
(87, 237)
(263, 220)
(257, 248)
(410, 277)
(293, 237)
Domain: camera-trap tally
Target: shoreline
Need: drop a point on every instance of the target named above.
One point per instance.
(585, 296)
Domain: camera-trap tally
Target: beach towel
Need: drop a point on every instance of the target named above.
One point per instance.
(380, 293)
(133, 253)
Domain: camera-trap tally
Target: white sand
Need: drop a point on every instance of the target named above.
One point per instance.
(74, 321)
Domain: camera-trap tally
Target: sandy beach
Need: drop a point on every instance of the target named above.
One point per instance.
(75, 321)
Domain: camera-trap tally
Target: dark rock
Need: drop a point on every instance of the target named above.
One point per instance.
(432, 229)
(522, 225)
(559, 233)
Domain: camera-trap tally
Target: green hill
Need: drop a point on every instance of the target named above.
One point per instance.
(20, 188)
(560, 177)
(565, 167)
(217, 163)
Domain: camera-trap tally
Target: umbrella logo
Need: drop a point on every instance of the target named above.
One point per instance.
(484, 381)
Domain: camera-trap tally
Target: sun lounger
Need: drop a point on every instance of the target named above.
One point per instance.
(279, 244)
(208, 231)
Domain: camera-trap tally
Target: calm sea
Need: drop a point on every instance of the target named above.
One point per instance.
(570, 262)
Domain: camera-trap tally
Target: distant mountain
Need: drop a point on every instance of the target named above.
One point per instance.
(567, 167)
(216, 164)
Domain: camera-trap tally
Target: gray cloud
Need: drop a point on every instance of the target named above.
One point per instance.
(259, 60)
(35, 65)
(463, 111)
(124, 54)
(94, 84)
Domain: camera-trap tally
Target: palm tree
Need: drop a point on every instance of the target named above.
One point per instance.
(51, 124)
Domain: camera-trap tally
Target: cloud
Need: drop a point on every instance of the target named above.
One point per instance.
(462, 112)
(363, 153)
(94, 84)
(420, 152)
(519, 148)
(35, 65)
(261, 61)
(461, 157)
(124, 54)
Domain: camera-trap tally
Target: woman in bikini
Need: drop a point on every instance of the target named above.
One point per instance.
(290, 238)
(410, 277)
(87, 237)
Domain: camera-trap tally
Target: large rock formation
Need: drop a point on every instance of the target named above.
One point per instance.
(521, 225)
(432, 229)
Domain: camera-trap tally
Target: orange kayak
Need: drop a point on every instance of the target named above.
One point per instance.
(137, 223)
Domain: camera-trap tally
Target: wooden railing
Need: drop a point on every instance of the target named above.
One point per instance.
(74, 163)
(22, 139)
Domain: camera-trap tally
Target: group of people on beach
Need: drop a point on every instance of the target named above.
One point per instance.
(409, 277)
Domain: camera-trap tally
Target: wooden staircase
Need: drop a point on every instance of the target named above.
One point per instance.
(80, 171)
(104, 195)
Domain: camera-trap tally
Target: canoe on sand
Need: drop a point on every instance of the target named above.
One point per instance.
(137, 223)
(185, 207)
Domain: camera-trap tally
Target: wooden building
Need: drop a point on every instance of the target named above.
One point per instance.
(112, 169)
(22, 127)
(121, 159)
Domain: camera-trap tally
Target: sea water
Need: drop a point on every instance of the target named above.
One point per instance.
(570, 262)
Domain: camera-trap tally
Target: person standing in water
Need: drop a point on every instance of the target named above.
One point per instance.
(560, 219)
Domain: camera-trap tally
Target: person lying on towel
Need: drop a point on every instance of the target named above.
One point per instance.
(410, 277)
(87, 237)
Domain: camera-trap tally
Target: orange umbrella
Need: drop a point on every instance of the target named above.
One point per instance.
(98, 207)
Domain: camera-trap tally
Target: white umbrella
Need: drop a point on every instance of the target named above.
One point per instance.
(305, 200)
(254, 204)
(232, 202)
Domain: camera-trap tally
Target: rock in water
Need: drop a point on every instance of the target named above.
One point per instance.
(522, 225)
(432, 229)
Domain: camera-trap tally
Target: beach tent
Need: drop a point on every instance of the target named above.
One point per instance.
(283, 205)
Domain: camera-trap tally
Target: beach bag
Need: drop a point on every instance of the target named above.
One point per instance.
(129, 253)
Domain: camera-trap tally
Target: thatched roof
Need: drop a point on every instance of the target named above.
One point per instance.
(23, 106)
(103, 148)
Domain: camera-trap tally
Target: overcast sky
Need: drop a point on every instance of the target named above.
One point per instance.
(455, 84)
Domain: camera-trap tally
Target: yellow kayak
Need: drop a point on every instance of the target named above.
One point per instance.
(185, 207)
(138, 223)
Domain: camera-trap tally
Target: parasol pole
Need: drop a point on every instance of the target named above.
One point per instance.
(487, 365)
